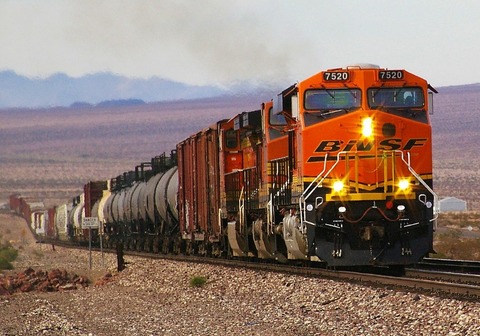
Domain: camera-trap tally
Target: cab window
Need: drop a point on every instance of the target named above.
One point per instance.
(395, 98)
(322, 104)
(327, 99)
(406, 102)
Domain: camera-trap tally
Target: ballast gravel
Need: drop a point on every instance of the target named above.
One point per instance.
(155, 297)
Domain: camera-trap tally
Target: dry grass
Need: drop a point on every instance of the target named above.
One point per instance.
(458, 236)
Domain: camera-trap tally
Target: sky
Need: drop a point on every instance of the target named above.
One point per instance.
(227, 42)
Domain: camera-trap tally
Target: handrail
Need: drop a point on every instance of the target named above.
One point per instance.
(220, 213)
(241, 209)
(304, 197)
(436, 209)
(270, 215)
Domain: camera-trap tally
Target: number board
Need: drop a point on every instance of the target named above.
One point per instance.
(390, 75)
(336, 76)
(90, 223)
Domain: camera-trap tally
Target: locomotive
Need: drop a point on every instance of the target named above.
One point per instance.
(337, 168)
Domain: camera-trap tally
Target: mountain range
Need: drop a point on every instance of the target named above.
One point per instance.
(106, 89)
(62, 90)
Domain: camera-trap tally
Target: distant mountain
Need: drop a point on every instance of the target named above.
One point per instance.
(461, 88)
(120, 102)
(62, 90)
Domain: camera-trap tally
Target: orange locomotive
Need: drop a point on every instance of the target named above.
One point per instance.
(338, 168)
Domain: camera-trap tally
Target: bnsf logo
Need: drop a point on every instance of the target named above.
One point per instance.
(361, 146)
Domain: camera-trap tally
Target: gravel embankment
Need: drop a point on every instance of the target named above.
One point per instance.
(154, 297)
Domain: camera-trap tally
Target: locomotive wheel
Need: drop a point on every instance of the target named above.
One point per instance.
(156, 244)
(148, 244)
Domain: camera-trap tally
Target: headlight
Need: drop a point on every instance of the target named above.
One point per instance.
(403, 184)
(367, 127)
(337, 186)
(342, 209)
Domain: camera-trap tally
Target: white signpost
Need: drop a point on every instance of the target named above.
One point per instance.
(90, 223)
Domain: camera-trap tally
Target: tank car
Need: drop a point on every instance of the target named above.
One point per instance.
(139, 206)
(61, 220)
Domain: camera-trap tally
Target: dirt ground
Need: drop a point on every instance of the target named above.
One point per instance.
(14, 230)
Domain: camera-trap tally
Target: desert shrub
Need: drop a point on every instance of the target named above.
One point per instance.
(198, 281)
(5, 264)
(451, 246)
(7, 255)
(460, 219)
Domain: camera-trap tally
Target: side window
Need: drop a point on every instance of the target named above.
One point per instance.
(276, 119)
(231, 141)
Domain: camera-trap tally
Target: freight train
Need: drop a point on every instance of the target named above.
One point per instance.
(336, 168)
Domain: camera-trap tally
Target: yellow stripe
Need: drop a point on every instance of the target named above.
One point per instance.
(329, 181)
(368, 196)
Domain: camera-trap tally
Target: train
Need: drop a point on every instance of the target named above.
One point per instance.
(336, 169)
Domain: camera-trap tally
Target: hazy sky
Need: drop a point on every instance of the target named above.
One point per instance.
(228, 41)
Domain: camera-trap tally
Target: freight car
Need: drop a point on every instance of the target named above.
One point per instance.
(337, 168)
(33, 211)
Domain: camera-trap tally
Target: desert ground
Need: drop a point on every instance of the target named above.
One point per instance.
(155, 297)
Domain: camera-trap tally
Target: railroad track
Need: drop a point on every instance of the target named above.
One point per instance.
(449, 265)
(458, 285)
(446, 270)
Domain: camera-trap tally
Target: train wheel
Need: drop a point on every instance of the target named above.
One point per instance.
(165, 246)
(147, 247)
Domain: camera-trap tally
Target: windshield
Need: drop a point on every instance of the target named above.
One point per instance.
(332, 99)
(396, 97)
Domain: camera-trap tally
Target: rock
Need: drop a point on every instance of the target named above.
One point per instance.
(67, 287)
(104, 280)
(55, 273)
(42, 281)
(4, 291)
(26, 287)
(45, 286)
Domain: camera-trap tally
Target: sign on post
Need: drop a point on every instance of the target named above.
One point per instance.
(90, 223)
